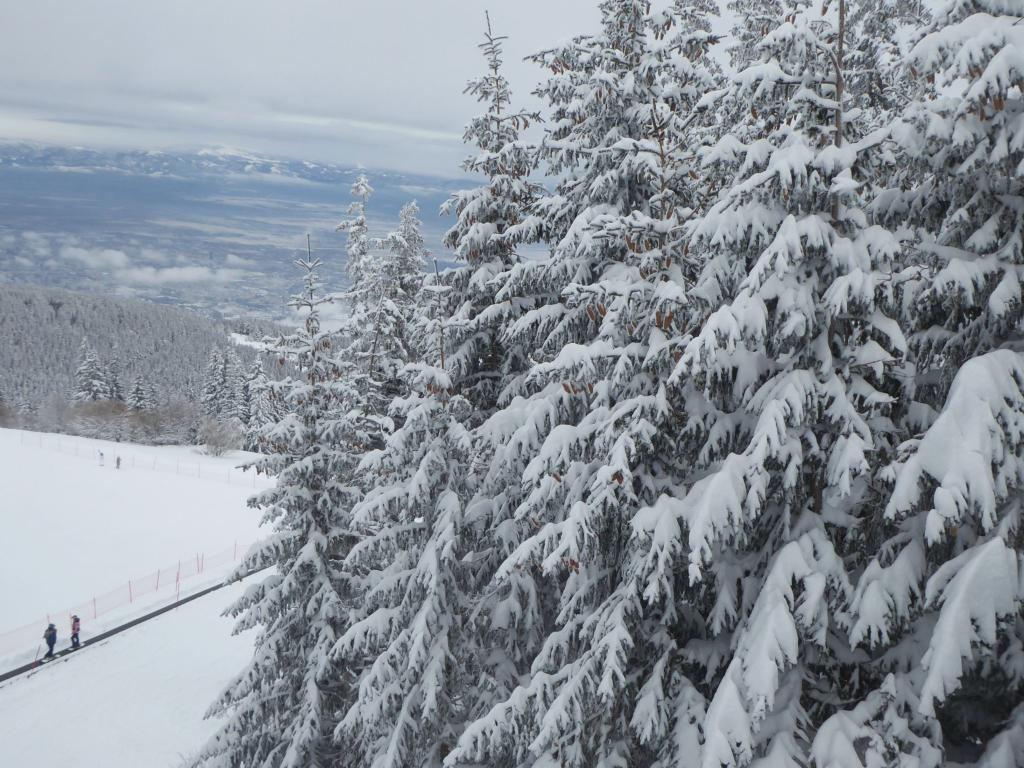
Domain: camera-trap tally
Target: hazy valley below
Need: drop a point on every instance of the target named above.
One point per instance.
(214, 230)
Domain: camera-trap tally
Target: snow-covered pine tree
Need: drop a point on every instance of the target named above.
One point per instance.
(246, 393)
(471, 321)
(90, 381)
(263, 406)
(359, 243)
(140, 398)
(789, 385)
(112, 373)
(938, 608)
(403, 623)
(404, 648)
(213, 384)
(280, 710)
(383, 299)
(411, 646)
(232, 393)
(223, 386)
(585, 666)
(245, 402)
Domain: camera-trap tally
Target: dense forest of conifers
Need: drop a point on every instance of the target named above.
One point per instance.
(115, 368)
(731, 477)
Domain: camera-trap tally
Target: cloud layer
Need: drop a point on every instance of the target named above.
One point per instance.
(137, 266)
(372, 83)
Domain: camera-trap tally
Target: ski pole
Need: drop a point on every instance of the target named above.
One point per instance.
(35, 659)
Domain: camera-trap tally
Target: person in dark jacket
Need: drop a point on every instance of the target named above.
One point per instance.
(76, 624)
(50, 636)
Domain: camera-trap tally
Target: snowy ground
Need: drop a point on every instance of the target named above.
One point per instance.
(135, 700)
(73, 529)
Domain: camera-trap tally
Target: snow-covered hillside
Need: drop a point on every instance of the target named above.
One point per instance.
(76, 529)
(136, 700)
(167, 346)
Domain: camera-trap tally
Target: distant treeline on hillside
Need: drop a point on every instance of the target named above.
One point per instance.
(168, 349)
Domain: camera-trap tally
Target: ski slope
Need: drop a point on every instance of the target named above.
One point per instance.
(73, 529)
(135, 700)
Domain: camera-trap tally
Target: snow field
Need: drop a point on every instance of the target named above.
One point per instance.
(135, 700)
(75, 529)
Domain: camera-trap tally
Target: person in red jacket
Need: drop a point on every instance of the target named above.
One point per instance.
(76, 624)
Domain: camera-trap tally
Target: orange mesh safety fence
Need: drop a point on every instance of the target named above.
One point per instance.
(167, 583)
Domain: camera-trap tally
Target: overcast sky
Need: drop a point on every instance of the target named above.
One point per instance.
(374, 82)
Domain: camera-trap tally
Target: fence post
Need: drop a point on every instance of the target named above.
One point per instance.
(235, 556)
(130, 598)
(157, 588)
(177, 583)
(94, 606)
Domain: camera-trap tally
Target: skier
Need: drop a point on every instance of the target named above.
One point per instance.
(101, 458)
(50, 636)
(118, 464)
(76, 624)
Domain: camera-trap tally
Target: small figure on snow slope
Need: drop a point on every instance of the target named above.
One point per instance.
(50, 636)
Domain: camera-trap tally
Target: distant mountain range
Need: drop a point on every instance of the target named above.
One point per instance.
(204, 162)
(216, 230)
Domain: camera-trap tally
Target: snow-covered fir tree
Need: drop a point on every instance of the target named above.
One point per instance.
(233, 403)
(212, 384)
(359, 241)
(382, 299)
(731, 477)
(246, 394)
(410, 647)
(396, 278)
(91, 383)
(281, 708)
(471, 319)
(937, 610)
(112, 373)
(790, 383)
(583, 667)
(223, 395)
(264, 406)
(140, 398)
(404, 647)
